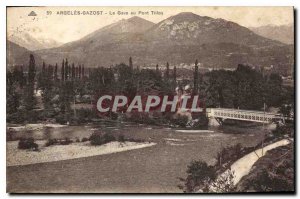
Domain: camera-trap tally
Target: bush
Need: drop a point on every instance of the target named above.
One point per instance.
(224, 183)
(27, 144)
(267, 181)
(134, 140)
(62, 118)
(96, 139)
(200, 175)
(65, 141)
(85, 139)
(22, 116)
(17, 117)
(275, 172)
(82, 116)
(121, 138)
(229, 154)
(284, 130)
(100, 138)
(51, 142)
(108, 138)
(179, 120)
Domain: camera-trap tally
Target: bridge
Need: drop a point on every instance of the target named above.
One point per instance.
(244, 115)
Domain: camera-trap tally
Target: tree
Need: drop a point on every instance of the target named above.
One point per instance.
(274, 90)
(130, 63)
(167, 71)
(174, 74)
(65, 97)
(76, 72)
(12, 98)
(89, 72)
(22, 79)
(63, 70)
(50, 72)
(69, 71)
(29, 99)
(17, 76)
(55, 72)
(200, 176)
(47, 95)
(125, 82)
(43, 68)
(82, 71)
(66, 70)
(31, 70)
(73, 71)
(47, 89)
(224, 183)
(196, 78)
(79, 72)
(249, 88)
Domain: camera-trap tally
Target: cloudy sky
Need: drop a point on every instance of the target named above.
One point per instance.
(65, 28)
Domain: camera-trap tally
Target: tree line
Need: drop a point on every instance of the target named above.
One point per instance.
(60, 87)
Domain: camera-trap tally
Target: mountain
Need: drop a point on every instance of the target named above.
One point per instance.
(31, 43)
(179, 39)
(99, 47)
(283, 33)
(189, 28)
(113, 33)
(18, 55)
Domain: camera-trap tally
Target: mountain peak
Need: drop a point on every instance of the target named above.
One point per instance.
(132, 25)
(188, 16)
(124, 26)
(30, 42)
(137, 19)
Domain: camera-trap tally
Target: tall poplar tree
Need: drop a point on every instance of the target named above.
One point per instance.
(196, 78)
(130, 63)
(29, 100)
(63, 70)
(82, 71)
(55, 72)
(79, 72)
(167, 73)
(66, 70)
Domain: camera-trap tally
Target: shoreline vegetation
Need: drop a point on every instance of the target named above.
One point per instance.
(272, 172)
(28, 151)
(240, 169)
(242, 166)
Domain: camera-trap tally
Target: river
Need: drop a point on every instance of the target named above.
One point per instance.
(152, 169)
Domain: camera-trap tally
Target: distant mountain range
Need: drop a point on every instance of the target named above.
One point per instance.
(283, 33)
(179, 39)
(31, 43)
(18, 55)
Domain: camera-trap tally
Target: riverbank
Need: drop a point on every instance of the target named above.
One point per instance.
(16, 156)
(38, 126)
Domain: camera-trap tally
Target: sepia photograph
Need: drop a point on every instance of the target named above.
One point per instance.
(160, 100)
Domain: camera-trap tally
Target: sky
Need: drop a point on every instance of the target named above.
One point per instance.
(61, 23)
